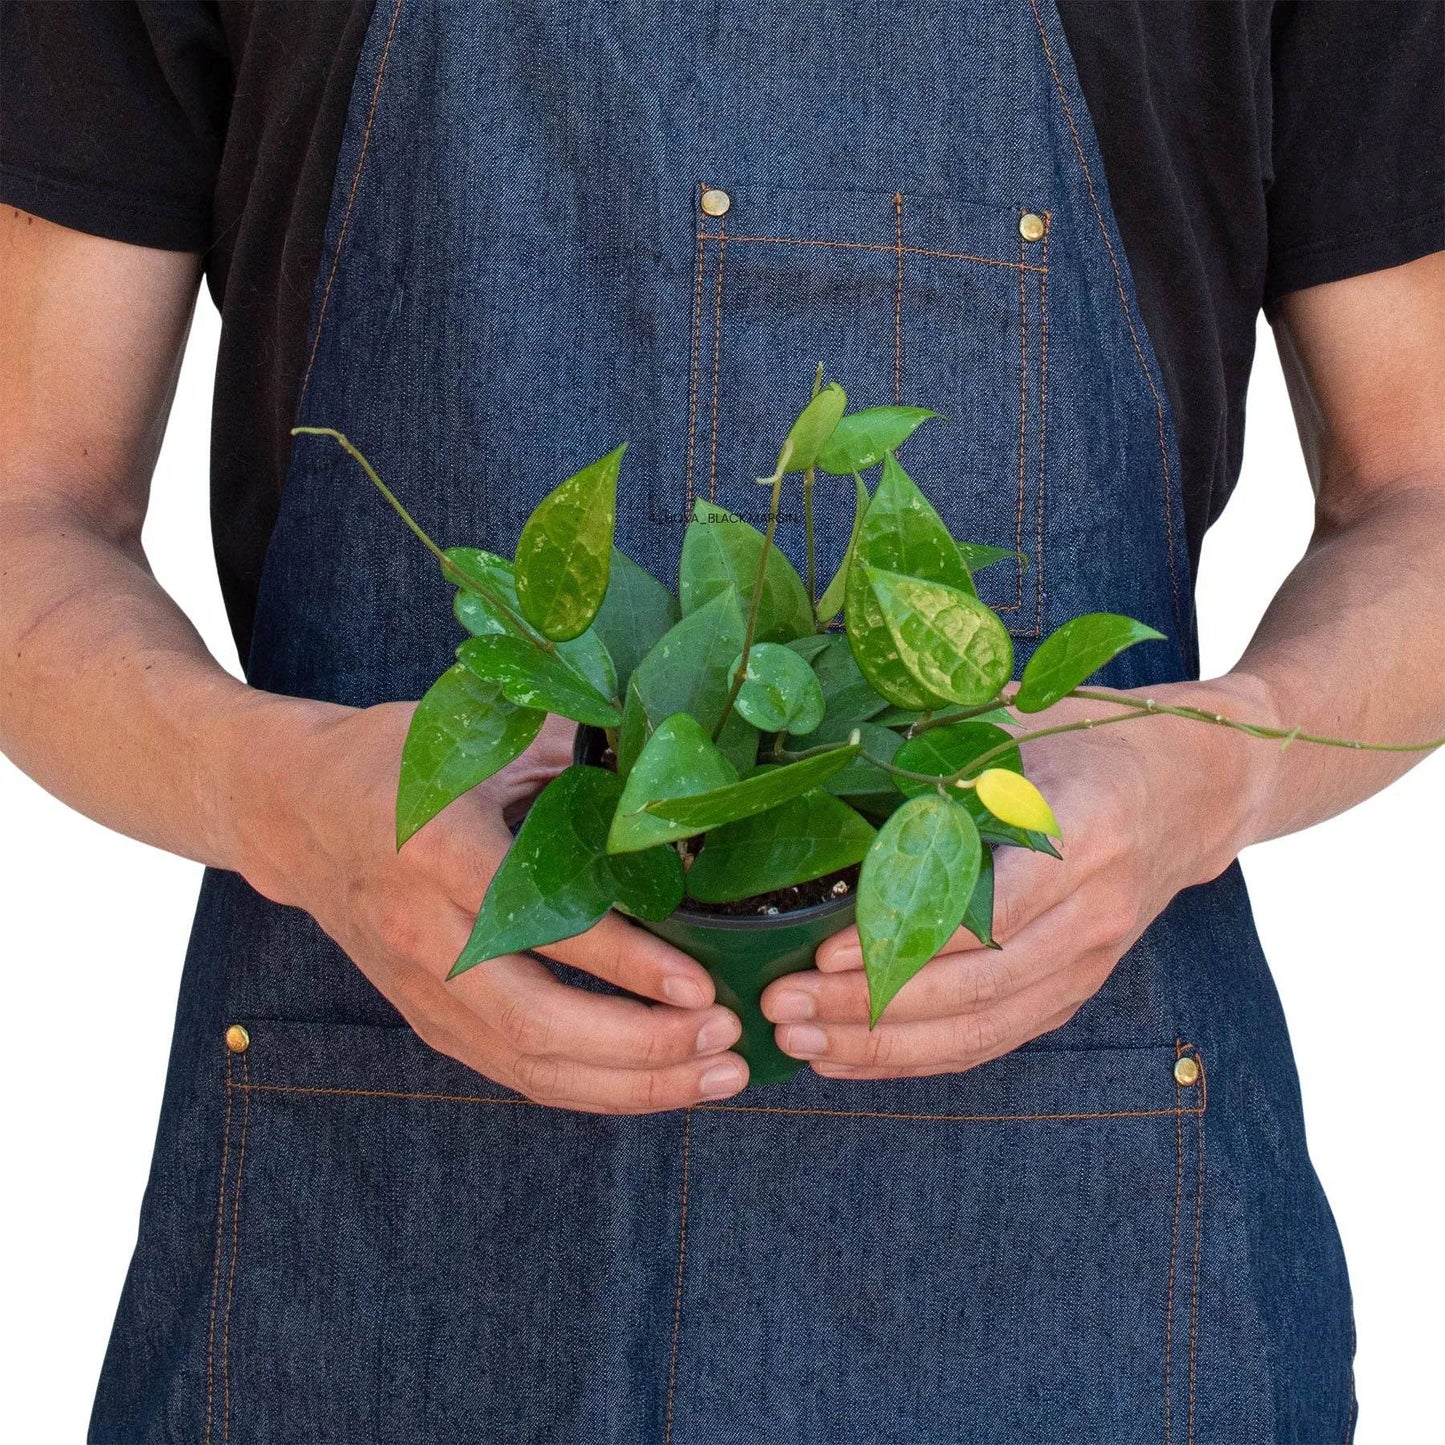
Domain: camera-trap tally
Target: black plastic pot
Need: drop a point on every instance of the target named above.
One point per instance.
(743, 954)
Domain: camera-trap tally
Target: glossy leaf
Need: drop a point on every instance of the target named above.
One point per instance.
(979, 555)
(830, 604)
(901, 532)
(849, 697)
(482, 618)
(461, 733)
(815, 424)
(763, 790)
(720, 553)
(802, 839)
(1075, 652)
(679, 759)
(688, 670)
(1010, 797)
(636, 612)
(530, 677)
(978, 916)
(780, 693)
(564, 555)
(900, 717)
(947, 750)
(914, 889)
(557, 879)
(862, 778)
(863, 439)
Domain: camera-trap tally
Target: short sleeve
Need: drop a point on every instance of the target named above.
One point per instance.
(113, 115)
(1358, 139)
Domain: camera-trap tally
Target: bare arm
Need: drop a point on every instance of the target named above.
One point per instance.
(1353, 645)
(110, 700)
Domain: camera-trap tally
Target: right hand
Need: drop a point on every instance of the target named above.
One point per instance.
(319, 835)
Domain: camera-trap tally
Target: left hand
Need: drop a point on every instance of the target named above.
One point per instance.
(1146, 808)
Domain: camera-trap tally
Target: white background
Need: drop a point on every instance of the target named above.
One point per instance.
(93, 928)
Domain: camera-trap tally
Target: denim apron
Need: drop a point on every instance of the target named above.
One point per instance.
(348, 1237)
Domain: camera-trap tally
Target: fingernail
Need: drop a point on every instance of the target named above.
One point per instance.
(717, 1032)
(794, 1005)
(804, 1040)
(719, 1080)
(686, 992)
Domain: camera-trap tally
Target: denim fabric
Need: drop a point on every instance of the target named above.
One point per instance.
(348, 1237)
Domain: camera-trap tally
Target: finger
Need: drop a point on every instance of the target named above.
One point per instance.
(932, 1045)
(950, 984)
(536, 1014)
(567, 1084)
(638, 961)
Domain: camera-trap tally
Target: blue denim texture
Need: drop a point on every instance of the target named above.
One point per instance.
(348, 1237)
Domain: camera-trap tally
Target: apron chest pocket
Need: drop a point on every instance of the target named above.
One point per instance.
(923, 300)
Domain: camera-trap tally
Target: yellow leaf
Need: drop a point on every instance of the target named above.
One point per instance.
(1011, 798)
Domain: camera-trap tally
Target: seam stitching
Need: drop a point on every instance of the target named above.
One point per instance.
(235, 1245)
(716, 358)
(869, 246)
(216, 1264)
(1173, 1256)
(1128, 320)
(693, 380)
(350, 201)
(677, 1289)
(1198, 1238)
(898, 299)
(397, 1094)
(1038, 559)
(1023, 428)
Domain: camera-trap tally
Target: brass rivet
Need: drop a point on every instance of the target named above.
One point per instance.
(716, 202)
(237, 1039)
(1031, 227)
(1186, 1071)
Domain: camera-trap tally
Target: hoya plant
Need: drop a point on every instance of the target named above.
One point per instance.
(749, 747)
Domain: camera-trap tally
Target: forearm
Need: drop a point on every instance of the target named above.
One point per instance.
(108, 697)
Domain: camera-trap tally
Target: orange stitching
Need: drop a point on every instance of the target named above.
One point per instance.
(350, 199)
(727, 1108)
(216, 1266)
(1173, 1254)
(898, 299)
(868, 246)
(693, 371)
(1198, 1237)
(1043, 433)
(677, 1292)
(1128, 318)
(716, 358)
(1023, 425)
(235, 1234)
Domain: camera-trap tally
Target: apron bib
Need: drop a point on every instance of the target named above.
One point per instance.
(348, 1237)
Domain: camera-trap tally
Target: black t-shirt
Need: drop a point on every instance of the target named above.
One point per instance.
(1251, 149)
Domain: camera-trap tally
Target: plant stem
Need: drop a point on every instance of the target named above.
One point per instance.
(809, 476)
(449, 568)
(740, 676)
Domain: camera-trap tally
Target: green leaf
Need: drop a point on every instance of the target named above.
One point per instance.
(634, 615)
(564, 554)
(688, 670)
(679, 759)
(815, 424)
(848, 695)
(461, 733)
(979, 555)
(830, 604)
(901, 532)
(914, 889)
(530, 677)
(1076, 651)
(978, 916)
(861, 778)
(558, 881)
(804, 838)
(947, 750)
(697, 810)
(902, 717)
(780, 693)
(950, 642)
(863, 439)
(482, 619)
(720, 553)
